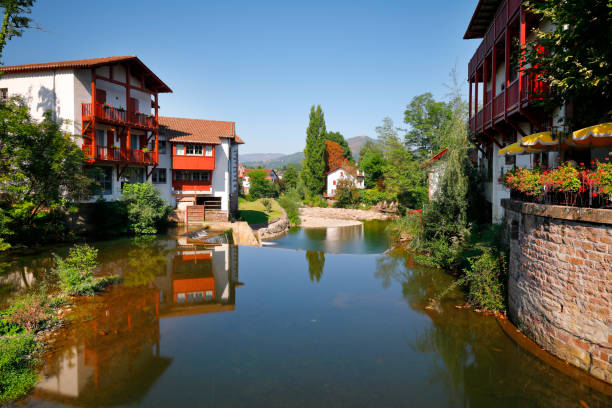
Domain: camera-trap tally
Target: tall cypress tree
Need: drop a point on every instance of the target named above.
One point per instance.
(314, 160)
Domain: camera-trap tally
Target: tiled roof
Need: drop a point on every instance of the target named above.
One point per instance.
(429, 161)
(154, 82)
(197, 130)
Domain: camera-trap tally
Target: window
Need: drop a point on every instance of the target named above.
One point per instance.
(208, 151)
(161, 146)
(193, 150)
(104, 178)
(100, 137)
(180, 149)
(159, 176)
(3, 94)
(182, 175)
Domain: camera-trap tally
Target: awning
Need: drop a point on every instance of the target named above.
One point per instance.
(516, 148)
(541, 140)
(595, 136)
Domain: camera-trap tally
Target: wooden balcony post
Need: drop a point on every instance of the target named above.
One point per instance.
(156, 127)
(476, 101)
(523, 40)
(93, 114)
(470, 98)
(128, 108)
(494, 73)
(485, 77)
(507, 65)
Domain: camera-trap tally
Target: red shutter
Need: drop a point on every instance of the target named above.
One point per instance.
(134, 104)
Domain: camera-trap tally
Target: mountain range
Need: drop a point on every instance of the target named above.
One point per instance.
(275, 160)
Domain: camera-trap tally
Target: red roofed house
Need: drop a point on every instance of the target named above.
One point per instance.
(200, 165)
(109, 105)
(346, 172)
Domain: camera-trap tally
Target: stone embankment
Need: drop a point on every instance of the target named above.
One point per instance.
(274, 229)
(560, 281)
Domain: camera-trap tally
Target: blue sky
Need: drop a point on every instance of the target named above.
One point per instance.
(263, 64)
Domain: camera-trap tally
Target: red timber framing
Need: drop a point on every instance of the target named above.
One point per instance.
(121, 122)
(500, 111)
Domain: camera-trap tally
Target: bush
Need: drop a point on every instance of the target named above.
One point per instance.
(29, 311)
(267, 204)
(260, 186)
(346, 194)
(485, 279)
(76, 272)
(146, 210)
(17, 365)
(289, 201)
(374, 196)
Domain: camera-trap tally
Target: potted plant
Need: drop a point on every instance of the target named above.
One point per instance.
(145, 150)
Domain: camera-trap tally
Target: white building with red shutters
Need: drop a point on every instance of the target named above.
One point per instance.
(355, 176)
(109, 105)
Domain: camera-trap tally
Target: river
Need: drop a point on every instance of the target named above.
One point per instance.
(316, 318)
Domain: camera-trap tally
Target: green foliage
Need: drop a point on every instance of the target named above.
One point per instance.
(575, 65)
(146, 209)
(30, 311)
(314, 153)
(8, 328)
(374, 196)
(338, 138)
(76, 271)
(372, 162)
(267, 204)
(18, 362)
(346, 194)
(14, 20)
(427, 119)
(260, 187)
(485, 279)
(291, 178)
(290, 202)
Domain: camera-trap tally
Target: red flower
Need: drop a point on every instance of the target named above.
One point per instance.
(582, 164)
(594, 194)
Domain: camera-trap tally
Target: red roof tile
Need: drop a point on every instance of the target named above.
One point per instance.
(197, 130)
(153, 81)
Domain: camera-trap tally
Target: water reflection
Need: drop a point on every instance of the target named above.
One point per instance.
(316, 263)
(110, 353)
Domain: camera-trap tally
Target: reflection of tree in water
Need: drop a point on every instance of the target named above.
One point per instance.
(471, 355)
(316, 262)
(146, 261)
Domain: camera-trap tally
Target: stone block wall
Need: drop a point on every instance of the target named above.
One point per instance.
(560, 281)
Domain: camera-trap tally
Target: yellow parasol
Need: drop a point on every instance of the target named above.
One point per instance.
(595, 136)
(516, 148)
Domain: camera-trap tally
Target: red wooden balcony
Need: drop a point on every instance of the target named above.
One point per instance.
(498, 104)
(124, 156)
(116, 116)
(513, 94)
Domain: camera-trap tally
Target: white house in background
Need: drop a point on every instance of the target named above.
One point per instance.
(109, 105)
(202, 166)
(343, 173)
(435, 169)
(271, 176)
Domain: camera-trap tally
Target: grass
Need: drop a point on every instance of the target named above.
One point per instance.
(255, 213)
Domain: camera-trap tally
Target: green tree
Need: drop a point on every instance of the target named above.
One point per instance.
(146, 209)
(372, 162)
(291, 178)
(259, 185)
(14, 20)
(41, 169)
(338, 138)
(314, 153)
(426, 117)
(76, 271)
(576, 63)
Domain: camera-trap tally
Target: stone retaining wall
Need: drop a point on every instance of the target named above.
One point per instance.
(277, 228)
(560, 281)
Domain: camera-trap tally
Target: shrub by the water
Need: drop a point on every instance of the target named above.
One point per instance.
(290, 202)
(75, 272)
(485, 280)
(18, 372)
(146, 209)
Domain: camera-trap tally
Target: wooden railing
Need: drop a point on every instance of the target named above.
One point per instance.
(501, 20)
(116, 115)
(104, 153)
(499, 104)
(513, 94)
(487, 113)
(479, 119)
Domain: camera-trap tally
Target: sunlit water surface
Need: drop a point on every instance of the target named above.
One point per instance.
(228, 326)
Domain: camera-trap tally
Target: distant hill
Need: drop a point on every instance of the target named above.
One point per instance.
(278, 160)
(255, 157)
(356, 143)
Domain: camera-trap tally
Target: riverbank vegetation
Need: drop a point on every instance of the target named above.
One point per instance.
(256, 212)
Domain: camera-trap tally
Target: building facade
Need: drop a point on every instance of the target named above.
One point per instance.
(109, 105)
(503, 102)
(357, 177)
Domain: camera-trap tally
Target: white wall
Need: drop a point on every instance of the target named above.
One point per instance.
(165, 162)
(221, 176)
(336, 176)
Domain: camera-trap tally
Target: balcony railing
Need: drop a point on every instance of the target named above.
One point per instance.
(487, 113)
(110, 154)
(118, 116)
(498, 104)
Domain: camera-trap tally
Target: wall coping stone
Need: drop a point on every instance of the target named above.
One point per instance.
(594, 215)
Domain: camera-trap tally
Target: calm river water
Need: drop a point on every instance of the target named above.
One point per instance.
(304, 322)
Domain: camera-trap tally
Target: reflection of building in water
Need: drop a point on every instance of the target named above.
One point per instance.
(22, 279)
(114, 340)
(337, 237)
(110, 354)
(200, 279)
